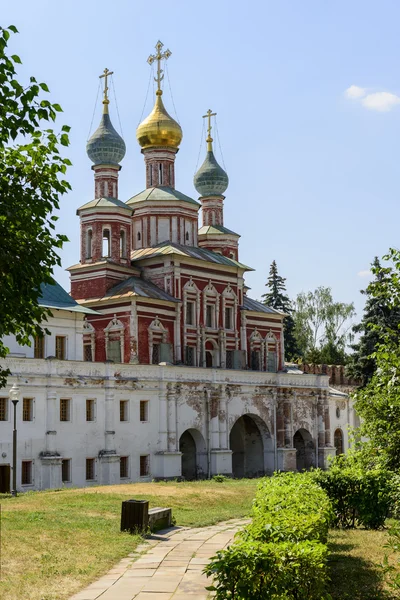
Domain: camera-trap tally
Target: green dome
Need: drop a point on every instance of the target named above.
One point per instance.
(210, 179)
(106, 146)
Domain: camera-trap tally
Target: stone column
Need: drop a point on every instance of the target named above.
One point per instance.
(162, 414)
(223, 440)
(178, 347)
(280, 422)
(327, 422)
(214, 419)
(320, 422)
(171, 418)
(134, 357)
(287, 414)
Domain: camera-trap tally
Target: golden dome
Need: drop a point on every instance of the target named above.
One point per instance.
(159, 129)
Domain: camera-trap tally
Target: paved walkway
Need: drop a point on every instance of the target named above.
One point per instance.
(168, 566)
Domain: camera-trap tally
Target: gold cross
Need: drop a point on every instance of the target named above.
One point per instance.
(159, 56)
(106, 74)
(208, 116)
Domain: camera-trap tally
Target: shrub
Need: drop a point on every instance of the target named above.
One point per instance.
(281, 554)
(249, 570)
(220, 478)
(359, 497)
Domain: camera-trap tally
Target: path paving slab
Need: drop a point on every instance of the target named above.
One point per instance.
(169, 566)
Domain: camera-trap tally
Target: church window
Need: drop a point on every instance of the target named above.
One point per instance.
(123, 410)
(144, 411)
(60, 347)
(65, 409)
(114, 350)
(66, 470)
(187, 236)
(255, 360)
(190, 313)
(229, 359)
(338, 441)
(106, 243)
(89, 236)
(90, 409)
(26, 472)
(155, 356)
(144, 465)
(151, 174)
(39, 347)
(122, 243)
(123, 467)
(189, 356)
(139, 237)
(271, 362)
(90, 469)
(160, 174)
(87, 352)
(3, 409)
(228, 317)
(210, 315)
(27, 409)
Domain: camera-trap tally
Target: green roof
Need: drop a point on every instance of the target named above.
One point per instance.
(105, 202)
(189, 251)
(161, 194)
(54, 296)
(216, 229)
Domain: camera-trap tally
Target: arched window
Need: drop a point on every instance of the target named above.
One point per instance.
(89, 235)
(187, 236)
(139, 237)
(338, 440)
(151, 174)
(106, 243)
(160, 174)
(122, 243)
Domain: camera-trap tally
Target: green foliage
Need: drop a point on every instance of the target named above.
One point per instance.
(391, 572)
(321, 326)
(220, 478)
(380, 317)
(281, 554)
(277, 298)
(31, 182)
(359, 496)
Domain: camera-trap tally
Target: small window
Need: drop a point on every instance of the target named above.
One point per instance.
(123, 410)
(187, 236)
(89, 236)
(144, 411)
(255, 360)
(106, 243)
(189, 356)
(90, 408)
(90, 469)
(337, 412)
(151, 174)
(39, 347)
(144, 466)
(65, 409)
(26, 472)
(228, 317)
(114, 350)
(122, 244)
(155, 357)
(190, 313)
(3, 409)
(66, 470)
(123, 467)
(338, 441)
(60, 347)
(271, 361)
(139, 237)
(87, 352)
(210, 315)
(160, 174)
(229, 359)
(27, 409)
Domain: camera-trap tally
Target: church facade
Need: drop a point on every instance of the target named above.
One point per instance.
(180, 373)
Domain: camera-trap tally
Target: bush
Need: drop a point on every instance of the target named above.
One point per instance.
(281, 554)
(248, 570)
(359, 497)
(220, 478)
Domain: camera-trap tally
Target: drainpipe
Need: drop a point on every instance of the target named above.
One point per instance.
(208, 413)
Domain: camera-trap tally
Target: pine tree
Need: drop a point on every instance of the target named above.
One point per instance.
(379, 317)
(277, 298)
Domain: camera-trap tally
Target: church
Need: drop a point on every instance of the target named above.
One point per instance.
(158, 364)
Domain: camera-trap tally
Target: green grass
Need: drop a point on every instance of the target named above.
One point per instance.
(56, 542)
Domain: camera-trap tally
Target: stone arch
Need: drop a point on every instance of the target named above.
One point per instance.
(338, 441)
(194, 455)
(252, 447)
(212, 353)
(305, 449)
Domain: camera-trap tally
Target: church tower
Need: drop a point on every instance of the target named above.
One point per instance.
(105, 221)
(211, 181)
(162, 213)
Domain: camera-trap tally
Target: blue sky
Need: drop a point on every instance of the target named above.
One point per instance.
(314, 170)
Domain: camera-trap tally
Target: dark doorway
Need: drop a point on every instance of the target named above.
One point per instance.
(5, 479)
(305, 450)
(209, 359)
(187, 446)
(247, 448)
(338, 439)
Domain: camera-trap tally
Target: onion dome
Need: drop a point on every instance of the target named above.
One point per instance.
(106, 146)
(159, 129)
(210, 179)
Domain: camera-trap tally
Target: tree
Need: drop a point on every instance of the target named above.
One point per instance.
(321, 326)
(379, 317)
(277, 298)
(378, 403)
(31, 181)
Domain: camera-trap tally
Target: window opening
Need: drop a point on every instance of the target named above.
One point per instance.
(144, 465)
(189, 356)
(123, 467)
(89, 243)
(229, 359)
(65, 409)
(271, 361)
(144, 411)
(106, 243)
(155, 359)
(3, 409)
(338, 440)
(87, 352)
(228, 317)
(139, 236)
(26, 472)
(190, 313)
(60, 347)
(27, 409)
(160, 174)
(66, 470)
(123, 410)
(90, 405)
(187, 236)
(39, 347)
(255, 360)
(210, 315)
(90, 470)
(122, 243)
(151, 174)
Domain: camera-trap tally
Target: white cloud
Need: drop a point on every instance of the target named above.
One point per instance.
(381, 101)
(354, 92)
(366, 273)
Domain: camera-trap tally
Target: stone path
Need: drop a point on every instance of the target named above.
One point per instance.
(168, 566)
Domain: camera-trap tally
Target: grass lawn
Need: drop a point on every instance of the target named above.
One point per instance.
(354, 558)
(53, 543)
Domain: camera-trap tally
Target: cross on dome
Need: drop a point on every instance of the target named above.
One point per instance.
(106, 75)
(159, 56)
(208, 116)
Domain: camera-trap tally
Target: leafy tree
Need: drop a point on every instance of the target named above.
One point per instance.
(31, 171)
(378, 403)
(379, 317)
(277, 298)
(321, 326)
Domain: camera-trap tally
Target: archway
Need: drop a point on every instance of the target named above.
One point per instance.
(338, 440)
(305, 450)
(194, 455)
(252, 448)
(212, 353)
